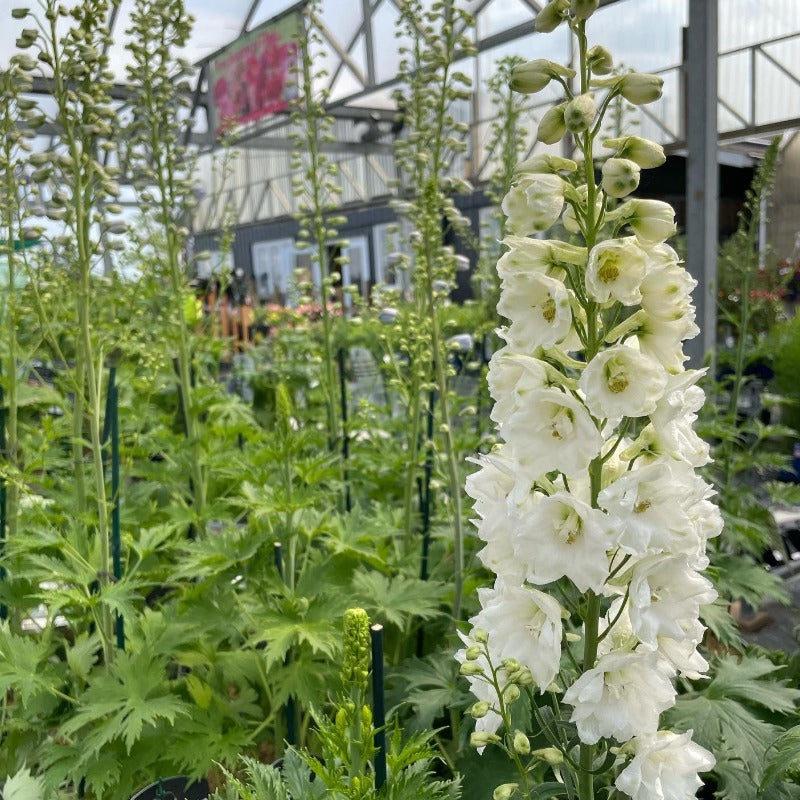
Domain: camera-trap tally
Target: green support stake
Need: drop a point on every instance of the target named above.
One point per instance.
(378, 705)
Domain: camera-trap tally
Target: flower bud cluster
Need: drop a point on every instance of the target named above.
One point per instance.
(593, 484)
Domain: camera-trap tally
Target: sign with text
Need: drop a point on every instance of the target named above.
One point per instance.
(254, 77)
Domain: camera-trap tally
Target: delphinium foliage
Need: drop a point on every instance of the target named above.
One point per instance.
(593, 517)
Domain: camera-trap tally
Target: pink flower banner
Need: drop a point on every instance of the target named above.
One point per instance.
(254, 78)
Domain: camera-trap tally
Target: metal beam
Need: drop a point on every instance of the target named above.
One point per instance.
(702, 171)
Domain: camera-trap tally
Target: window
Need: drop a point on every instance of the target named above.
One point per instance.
(273, 264)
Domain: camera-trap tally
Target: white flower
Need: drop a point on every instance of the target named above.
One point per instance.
(489, 487)
(621, 382)
(620, 177)
(675, 414)
(664, 767)
(526, 256)
(664, 593)
(534, 203)
(622, 696)
(562, 536)
(552, 431)
(615, 270)
(511, 378)
(652, 221)
(525, 624)
(539, 310)
(682, 653)
(663, 339)
(667, 287)
(646, 504)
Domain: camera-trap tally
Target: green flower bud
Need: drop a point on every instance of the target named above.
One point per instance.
(511, 693)
(341, 719)
(572, 637)
(366, 716)
(19, 13)
(357, 647)
(480, 636)
(579, 113)
(522, 744)
(551, 16)
(479, 709)
(533, 76)
(504, 791)
(482, 738)
(645, 153)
(552, 127)
(600, 60)
(641, 88)
(552, 755)
(474, 652)
(583, 9)
(545, 163)
(470, 668)
(620, 177)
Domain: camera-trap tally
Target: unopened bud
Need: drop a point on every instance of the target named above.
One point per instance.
(470, 668)
(552, 126)
(479, 709)
(645, 153)
(533, 76)
(583, 9)
(482, 738)
(552, 755)
(522, 744)
(504, 791)
(579, 113)
(551, 16)
(600, 60)
(641, 88)
(573, 637)
(473, 652)
(620, 177)
(511, 693)
(480, 635)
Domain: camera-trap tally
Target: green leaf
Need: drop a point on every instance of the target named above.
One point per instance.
(119, 703)
(394, 600)
(783, 754)
(738, 578)
(82, 656)
(297, 777)
(740, 679)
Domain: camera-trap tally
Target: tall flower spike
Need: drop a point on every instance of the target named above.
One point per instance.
(593, 519)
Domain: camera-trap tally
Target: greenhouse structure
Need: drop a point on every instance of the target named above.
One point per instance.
(400, 399)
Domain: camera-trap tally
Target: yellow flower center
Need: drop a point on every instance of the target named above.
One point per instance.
(641, 506)
(618, 384)
(609, 271)
(549, 309)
